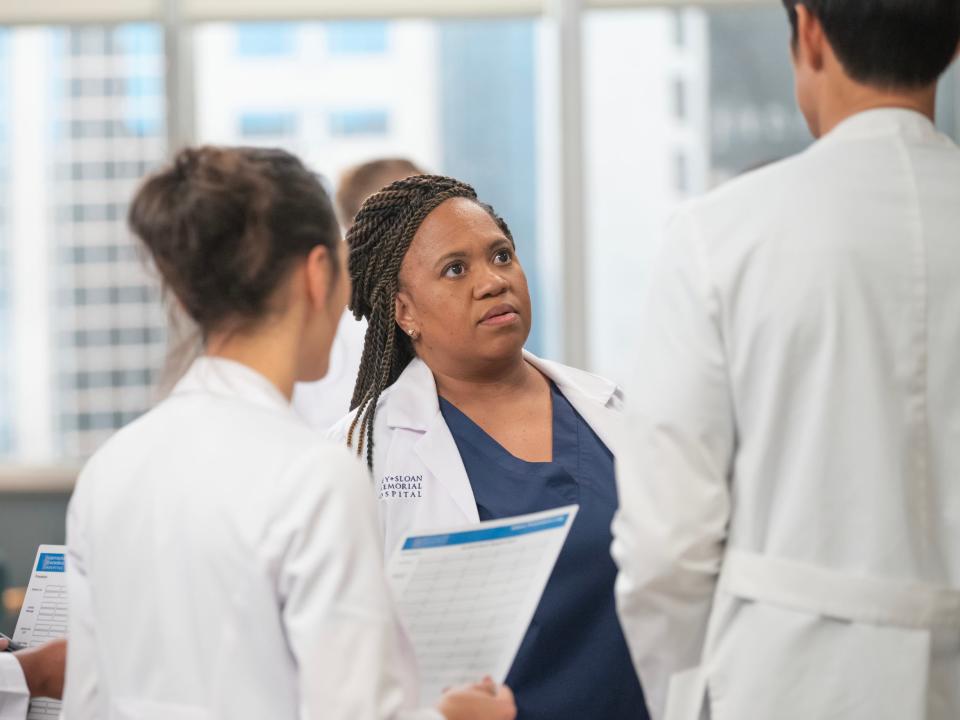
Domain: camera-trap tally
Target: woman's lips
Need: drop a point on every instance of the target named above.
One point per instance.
(503, 318)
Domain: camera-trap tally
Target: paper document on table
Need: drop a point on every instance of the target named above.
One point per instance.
(43, 616)
(466, 595)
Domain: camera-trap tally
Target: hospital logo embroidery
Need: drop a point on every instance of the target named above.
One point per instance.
(400, 487)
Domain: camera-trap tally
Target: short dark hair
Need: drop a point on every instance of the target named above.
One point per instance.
(224, 226)
(892, 44)
(361, 181)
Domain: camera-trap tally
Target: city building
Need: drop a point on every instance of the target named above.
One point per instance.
(108, 326)
(88, 330)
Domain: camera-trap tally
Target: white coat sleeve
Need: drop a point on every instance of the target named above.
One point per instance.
(81, 684)
(337, 608)
(14, 697)
(672, 474)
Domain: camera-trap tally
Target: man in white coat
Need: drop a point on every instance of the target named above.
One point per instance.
(789, 531)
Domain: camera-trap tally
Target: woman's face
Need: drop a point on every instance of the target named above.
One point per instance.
(462, 291)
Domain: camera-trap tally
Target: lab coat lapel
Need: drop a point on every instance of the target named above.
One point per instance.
(601, 418)
(439, 453)
(595, 398)
(414, 406)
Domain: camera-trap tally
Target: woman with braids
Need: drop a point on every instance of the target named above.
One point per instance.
(224, 564)
(459, 424)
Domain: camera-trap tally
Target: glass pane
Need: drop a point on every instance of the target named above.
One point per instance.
(677, 101)
(82, 122)
(457, 97)
(6, 344)
(948, 103)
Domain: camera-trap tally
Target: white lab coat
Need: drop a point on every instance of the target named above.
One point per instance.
(419, 478)
(223, 563)
(789, 531)
(323, 402)
(14, 698)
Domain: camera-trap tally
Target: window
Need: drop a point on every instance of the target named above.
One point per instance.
(676, 102)
(93, 254)
(90, 100)
(680, 99)
(7, 410)
(677, 98)
(267, 125)
(948, 102)
(116, 336)
(357, 38)
(258, 40)
(102, 379)
(346, 123)
(681, 173)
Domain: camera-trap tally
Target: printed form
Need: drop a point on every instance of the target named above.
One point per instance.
(467, 595)
(44, 613)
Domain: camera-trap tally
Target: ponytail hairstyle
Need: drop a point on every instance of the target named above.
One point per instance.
(379, 239)
(225, 226)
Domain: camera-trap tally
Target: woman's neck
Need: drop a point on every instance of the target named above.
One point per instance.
(273, 354)
(491, 383)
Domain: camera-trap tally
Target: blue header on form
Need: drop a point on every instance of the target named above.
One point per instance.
(495, 533)
(52, 562)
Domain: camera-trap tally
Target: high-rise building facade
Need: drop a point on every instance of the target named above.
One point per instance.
(106, 323)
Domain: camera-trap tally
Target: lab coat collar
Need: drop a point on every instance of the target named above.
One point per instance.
(227, 378)
(593, 387)
(414, 403)
(413, 398)
(881, 121)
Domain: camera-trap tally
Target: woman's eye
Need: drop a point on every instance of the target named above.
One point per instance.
(503, 257)
(455, 270)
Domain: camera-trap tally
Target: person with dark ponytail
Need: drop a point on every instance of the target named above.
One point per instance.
(222, 563)
(459, 424)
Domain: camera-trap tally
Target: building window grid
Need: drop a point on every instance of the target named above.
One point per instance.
(109, 103)
(357, 123)
(273, 124)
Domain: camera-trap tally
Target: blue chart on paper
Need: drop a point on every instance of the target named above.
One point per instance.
(484, 534)
(52, 562)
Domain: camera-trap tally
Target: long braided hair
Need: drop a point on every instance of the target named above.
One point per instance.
(379, 239)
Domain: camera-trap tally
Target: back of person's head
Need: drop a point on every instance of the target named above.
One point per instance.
(361, 181)
(888, 44)
(225, 226)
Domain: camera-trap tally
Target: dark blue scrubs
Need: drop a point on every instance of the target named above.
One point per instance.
(573, 663)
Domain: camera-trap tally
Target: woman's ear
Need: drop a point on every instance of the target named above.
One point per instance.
(406, 318)
(320, 276)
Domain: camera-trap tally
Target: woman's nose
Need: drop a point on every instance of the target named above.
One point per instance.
(492, 283)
